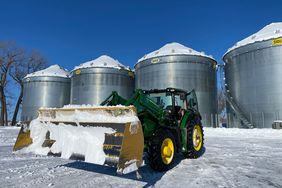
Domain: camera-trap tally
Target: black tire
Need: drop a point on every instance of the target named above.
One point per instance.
(192, 151)
(155, 151)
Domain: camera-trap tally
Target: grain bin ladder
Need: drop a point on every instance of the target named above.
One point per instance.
(239, 113)
(245, 121)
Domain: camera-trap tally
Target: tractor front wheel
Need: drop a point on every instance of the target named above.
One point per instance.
(161, 151)
(195, 140)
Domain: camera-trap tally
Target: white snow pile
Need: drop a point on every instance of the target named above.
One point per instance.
(75, 106)
(102, 61)
(80, 113)
(54, 70)
(173, 48)
(70, 140)
(71, 106)
(80, 106)
(271, 31)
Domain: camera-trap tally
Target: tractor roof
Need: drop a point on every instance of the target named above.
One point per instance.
(170, 90)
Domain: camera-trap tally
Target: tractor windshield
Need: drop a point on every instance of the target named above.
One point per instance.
(164, 100)
(161, 99)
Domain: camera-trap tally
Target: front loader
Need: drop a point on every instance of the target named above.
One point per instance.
(160, 122)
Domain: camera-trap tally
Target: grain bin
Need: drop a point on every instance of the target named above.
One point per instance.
(46, 88)
(93, 81)
(253, 79)
(175, 65)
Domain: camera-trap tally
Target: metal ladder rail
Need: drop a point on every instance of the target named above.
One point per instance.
(239, 113)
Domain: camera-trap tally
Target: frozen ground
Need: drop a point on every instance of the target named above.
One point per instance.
(233, 158)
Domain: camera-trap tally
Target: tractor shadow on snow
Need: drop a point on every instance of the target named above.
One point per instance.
(149, 176)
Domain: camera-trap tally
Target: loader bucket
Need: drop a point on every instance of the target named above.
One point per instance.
(81, 130)
(23, 139)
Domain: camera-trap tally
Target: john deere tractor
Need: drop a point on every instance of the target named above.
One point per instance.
(160, 122)
(171, 123)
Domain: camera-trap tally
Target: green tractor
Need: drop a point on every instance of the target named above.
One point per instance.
(170, 121)
(160, 122)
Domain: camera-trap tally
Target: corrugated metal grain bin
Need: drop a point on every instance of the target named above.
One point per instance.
(175, 65)
(253, 78)
(46, 88)
(93, 81)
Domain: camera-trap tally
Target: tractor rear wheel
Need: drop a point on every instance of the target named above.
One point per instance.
(161, 151)
(195, 140)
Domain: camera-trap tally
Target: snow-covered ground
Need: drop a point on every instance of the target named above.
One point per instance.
(233, 158)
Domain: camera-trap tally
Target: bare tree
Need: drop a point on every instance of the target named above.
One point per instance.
(11, 93)
(30, 63)
(9, 54)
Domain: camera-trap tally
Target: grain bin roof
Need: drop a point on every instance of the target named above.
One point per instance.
(102, 61)
(173, 48)
(271, 31)
(54, 71)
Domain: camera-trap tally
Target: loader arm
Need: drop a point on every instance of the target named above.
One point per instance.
(113, 100)
(150, 114)
(141, 101)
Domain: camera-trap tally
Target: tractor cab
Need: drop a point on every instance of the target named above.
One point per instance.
(174, 101)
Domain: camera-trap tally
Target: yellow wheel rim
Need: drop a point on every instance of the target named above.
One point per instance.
(197, 137)
(167, 151)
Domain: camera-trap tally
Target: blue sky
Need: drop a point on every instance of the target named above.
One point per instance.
(71, 32)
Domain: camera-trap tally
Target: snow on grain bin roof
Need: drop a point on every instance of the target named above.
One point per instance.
(102, 61)
(271, 31)
(173, 48)
(54, 70)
